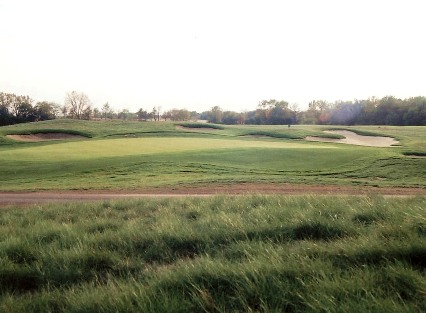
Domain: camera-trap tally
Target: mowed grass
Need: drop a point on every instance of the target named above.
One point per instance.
(165, 163)
(97, 149)
(217, 254)
(139, 155)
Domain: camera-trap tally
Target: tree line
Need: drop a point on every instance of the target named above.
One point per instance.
(20, 109)
(373, 111)
(77, 105)
(388, 110)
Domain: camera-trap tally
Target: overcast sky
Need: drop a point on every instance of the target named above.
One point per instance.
(198, 54)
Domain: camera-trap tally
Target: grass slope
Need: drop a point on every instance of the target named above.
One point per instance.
(137, 155)
(219, 254)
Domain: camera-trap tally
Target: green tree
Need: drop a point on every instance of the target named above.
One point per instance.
(142, 114)
(416, 111)
(389, 111)
(5, 116)
(46, 110)
(280, 114)
(125, 115)
(106, 111)
(318, 112)
(179, 115)
(16, 109)
(231, 118)
(215, 115)
(273, 112)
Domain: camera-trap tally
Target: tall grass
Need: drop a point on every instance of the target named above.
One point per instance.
(220, 254)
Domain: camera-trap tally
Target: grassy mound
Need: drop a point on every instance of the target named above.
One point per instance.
(273, 134)
(201, 125)
(50, 131)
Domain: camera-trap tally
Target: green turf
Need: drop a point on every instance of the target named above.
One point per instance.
(219, 254)
(132, 155)
(98, 149)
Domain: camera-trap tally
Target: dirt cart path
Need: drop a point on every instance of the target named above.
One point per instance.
(28, 198)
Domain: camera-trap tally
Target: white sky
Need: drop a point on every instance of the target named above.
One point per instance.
(198, 54)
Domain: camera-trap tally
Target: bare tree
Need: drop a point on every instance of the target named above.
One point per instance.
(78, 105)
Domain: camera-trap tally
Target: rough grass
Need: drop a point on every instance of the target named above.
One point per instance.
(219, 254)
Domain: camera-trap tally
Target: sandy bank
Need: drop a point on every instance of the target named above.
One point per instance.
(352, 138)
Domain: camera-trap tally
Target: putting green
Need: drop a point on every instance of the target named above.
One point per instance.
(94, 149)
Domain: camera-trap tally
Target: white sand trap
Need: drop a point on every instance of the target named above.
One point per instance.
(352, 138)
(44, 137)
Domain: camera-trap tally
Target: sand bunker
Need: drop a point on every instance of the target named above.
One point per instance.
(44, 137)
(355, 139)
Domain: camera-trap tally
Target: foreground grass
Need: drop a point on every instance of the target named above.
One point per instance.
(218, 254)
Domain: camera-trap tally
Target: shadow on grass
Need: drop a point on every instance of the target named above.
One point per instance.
(369, 218)
(20, 253)
(239, 291)
(19, 279)
(305, 231)
(414, 256)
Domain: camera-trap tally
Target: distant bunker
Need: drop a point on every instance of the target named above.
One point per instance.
(44, 137)
(352, 138)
